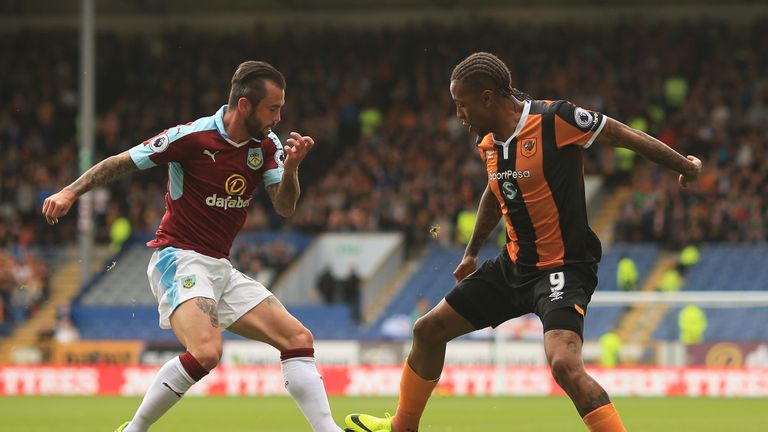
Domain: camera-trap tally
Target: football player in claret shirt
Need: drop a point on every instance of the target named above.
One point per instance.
(532, 152)
(214, 165)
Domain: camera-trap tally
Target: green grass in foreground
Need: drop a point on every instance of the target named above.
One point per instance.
(444, 414)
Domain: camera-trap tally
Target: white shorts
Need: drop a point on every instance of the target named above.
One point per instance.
(177, 275)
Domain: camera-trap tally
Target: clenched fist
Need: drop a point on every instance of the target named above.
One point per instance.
(57, 205)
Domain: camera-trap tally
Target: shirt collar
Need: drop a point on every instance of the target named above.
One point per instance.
(219, 120)
(520, 124)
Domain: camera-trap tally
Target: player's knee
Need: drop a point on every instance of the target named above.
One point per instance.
(565, 370)
(207, 355)
(426, 331)
(302, 339)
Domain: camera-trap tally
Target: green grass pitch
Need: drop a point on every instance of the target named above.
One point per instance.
(444, 414)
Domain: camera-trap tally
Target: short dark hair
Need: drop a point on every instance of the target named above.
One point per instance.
(484, 70)
(248, 81)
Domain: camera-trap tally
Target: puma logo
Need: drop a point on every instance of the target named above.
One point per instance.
(174, 391)
(212, 155)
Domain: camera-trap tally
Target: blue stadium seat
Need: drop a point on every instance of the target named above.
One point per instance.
(119, 322)
(6, 328)
(743, 324)
(327, 322)
(432, 281)
(726, 267)
(644, 256)
(601, 319)
(722, 267)
(141, 322)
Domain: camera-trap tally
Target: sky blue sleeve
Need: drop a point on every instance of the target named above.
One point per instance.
(140, 155)
(273, 169)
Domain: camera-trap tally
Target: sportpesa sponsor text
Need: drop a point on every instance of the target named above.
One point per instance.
(509, 174)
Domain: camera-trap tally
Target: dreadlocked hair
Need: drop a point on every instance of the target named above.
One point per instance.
(485, 70)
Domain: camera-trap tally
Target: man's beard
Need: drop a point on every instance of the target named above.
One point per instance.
(254, 130)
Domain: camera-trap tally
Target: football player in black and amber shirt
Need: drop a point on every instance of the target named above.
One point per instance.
(532, 151)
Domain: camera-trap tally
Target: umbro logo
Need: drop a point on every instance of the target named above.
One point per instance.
(557, 293)
(212, 155)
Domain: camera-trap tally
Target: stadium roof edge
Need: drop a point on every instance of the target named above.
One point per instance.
(151, 7)
(367, 15)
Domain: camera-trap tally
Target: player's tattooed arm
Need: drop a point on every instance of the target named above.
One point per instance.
(58, 204)
(285, 194)
(488, 215)
(618, 134)
(103, 173)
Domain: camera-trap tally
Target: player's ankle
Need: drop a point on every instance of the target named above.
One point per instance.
(403, 422)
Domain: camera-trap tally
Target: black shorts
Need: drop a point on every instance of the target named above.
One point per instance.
(501, 290)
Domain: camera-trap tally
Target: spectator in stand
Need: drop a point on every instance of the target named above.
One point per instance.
(672, 279)
(693, 323)
(626, 274)
(689, 257)
(7, 286)
(23, 285)
(610, 348)
(65, 331)
(327, 286)
(351, 295)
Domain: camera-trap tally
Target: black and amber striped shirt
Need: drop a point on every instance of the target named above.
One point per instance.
(537, 175)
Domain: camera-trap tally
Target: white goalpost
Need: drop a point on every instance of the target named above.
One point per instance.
(700, 298)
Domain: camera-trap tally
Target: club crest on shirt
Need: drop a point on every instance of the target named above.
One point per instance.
(528, 147)
(187, 282)
(255, 158)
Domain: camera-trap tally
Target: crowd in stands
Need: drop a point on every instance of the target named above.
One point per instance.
(390, 153)
(716, 107)
(23, 286)
(263, 260)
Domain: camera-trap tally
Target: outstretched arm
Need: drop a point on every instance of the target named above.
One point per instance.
(488, 215)
(58, 204)
(285, 194)
(618, 134)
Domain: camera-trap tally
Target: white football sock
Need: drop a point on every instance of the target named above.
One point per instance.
(305, 384)
(170, 383)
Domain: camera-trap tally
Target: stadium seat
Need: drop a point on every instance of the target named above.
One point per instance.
(723, 324)
(726, 267)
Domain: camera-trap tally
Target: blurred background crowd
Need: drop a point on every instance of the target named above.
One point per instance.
(390, 153)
